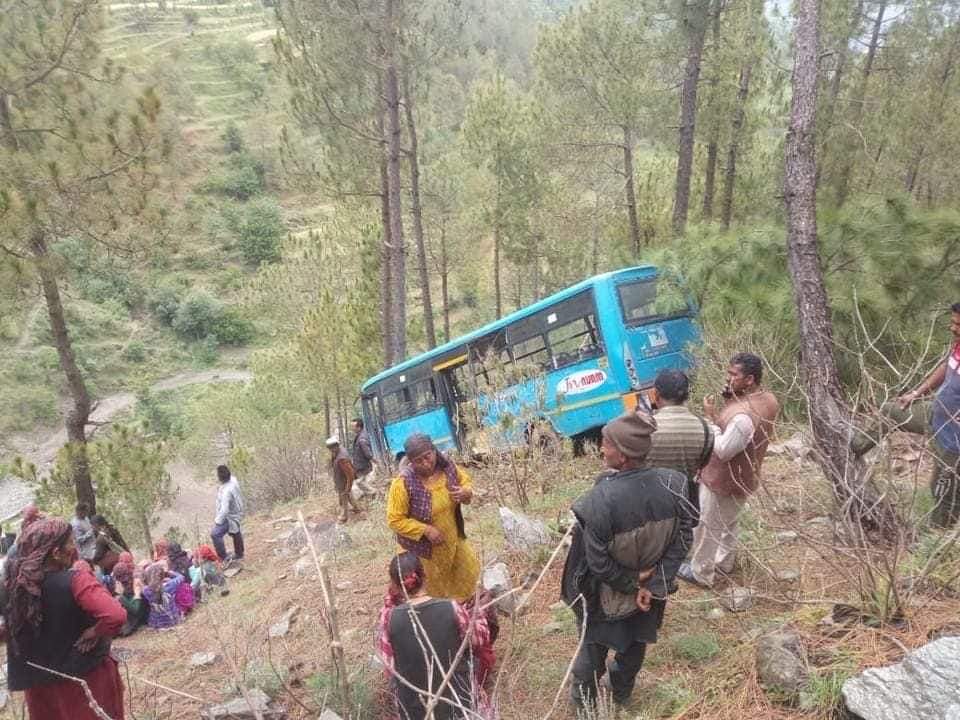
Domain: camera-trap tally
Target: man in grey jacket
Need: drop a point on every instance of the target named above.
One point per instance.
(633, 530)
(229, 515)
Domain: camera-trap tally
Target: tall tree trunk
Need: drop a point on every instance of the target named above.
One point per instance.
(695, 22)
(497, 289)
(79, 412)
(631, 189)
(327, 427)
(918, 156)
(398, 276)
(595, 239)
(444, 275)
(842, 189)
(733, 152)
(709, 178)
(386, 256)
(417, 212)
(830, 418)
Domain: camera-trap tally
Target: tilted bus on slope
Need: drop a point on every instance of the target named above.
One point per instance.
(563, 366)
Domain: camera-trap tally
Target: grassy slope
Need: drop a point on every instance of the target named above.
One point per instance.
(701, 668)
(103, 332)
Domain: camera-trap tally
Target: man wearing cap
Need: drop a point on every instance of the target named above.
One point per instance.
(341, 469)
(633, 531)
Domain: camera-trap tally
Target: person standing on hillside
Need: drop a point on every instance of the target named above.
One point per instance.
(682, 441)
(83, 533)
(343, 474)
(228, 517)
(745, 426)
(633, 531)
(938, 418)
(362, 456)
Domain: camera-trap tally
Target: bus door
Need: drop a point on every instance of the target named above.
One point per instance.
(453, 395)
(373, 424)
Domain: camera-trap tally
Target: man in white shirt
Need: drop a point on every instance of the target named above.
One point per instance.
(744, 427)
(228, 517)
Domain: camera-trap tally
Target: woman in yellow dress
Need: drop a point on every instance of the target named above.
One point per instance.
(423, 509)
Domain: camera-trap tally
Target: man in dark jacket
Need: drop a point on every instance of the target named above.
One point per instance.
(362, 457)
(634, 529)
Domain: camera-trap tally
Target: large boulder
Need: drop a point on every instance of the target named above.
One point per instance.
(780, 665)
(523, 533)
(925, 685)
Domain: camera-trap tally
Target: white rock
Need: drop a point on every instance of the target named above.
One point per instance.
(923, 686)
(304, 567)
(522, 532)
(496, 581)
(202, 659)
(737, 599)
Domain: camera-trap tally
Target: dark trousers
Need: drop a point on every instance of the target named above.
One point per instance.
(216, 535)
(591, 664)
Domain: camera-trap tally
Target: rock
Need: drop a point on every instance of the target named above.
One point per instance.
(282, 576)
(202, 659)
(238, 709)
(304, 567)
(923, 686)
(715, 614)
(785, 536)
(796, 447)
(232, 572)
(788, 576)
(737, 599)
(552, 628)
(521, 532)
(345, 585)
(496, 581)
(780, 664)
(282, 627)
(329, 714)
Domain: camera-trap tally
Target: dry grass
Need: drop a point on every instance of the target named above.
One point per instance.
(677, 681)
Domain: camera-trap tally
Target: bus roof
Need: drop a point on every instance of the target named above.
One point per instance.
(504, 321)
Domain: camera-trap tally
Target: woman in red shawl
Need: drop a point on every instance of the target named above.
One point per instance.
(60, 618)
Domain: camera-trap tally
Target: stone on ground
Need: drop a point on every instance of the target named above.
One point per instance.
(280, 628)
(737, 599)
(329, 714)
(239, 709)
(200, 659)
(922, 686)
(780, 664)
(496, 581)
(522, 532)
(304, 567)
(327, 535)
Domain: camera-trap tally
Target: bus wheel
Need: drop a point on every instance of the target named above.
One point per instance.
(544, 439)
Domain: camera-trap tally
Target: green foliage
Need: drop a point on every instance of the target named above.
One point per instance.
(164, 302)
(197, 316)
(135, 351)
(241, 177)
(202, 316)
(258, 229)
(128, 467)
(160, 415)
(232, 139)
(326, 693)
(697, 648)
(823, 694)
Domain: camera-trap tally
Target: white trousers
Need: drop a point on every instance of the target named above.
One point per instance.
(715, 538)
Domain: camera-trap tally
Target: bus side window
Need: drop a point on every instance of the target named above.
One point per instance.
(575, 341)
(532, 352)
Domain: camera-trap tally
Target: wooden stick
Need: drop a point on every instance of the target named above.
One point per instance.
(238, 676)
(171, 690)
(333, 630)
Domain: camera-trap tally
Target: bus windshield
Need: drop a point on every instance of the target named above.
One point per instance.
(644, 301)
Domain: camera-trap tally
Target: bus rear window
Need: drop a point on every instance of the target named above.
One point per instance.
(648, 300)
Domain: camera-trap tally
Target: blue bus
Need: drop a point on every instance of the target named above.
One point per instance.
(562, 367)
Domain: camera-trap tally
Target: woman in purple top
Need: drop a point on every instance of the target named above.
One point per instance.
(160, 589)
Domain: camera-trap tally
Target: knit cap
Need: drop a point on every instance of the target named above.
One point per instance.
(630, 434)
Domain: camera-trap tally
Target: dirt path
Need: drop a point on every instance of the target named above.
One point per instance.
(14, 494)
